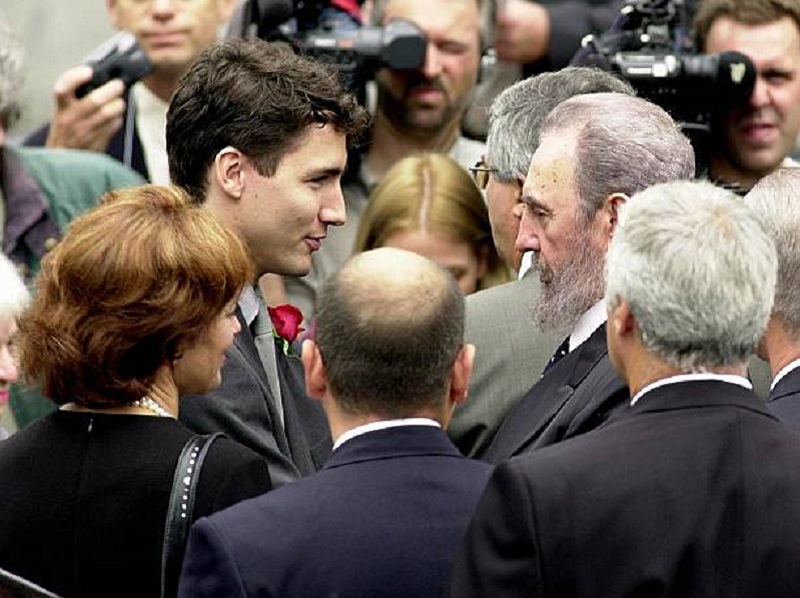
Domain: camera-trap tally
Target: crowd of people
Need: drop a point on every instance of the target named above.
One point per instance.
(538, 351)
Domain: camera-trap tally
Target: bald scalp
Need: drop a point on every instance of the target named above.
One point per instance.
(389, 327)
(389, 285)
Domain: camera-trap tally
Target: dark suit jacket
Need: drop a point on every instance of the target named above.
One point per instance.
(510, 354)
(575, 396)
(125, 145)
(240, 408)
(691, 493)
(382, 519)
(784, 399)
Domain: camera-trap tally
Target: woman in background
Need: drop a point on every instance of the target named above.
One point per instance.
(133, 309)
(428, 204)
(13, 299)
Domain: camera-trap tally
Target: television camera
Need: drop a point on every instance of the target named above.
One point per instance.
(650, 46)
(312, 28)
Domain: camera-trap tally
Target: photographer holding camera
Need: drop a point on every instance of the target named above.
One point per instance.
(128, 123)
(751, 140)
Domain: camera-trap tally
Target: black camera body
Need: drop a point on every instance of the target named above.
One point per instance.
(356, 51)
(120, 57)
(650, 46)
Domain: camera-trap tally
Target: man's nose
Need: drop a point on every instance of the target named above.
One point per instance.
(333, 211)
(432, 68)
(527, 235)
(760, 95)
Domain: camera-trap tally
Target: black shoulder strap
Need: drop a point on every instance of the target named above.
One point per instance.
(181, 506)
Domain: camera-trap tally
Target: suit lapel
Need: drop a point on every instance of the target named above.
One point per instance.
(306, 425)
(543, 402)
(244, 342)
(788, 385)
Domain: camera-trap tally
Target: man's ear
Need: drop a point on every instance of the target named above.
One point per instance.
(461, 374)
(621, 320)
(610, 211)
(229, 171)
(316, 381)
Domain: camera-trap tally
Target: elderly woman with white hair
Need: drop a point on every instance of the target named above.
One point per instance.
(13, 299)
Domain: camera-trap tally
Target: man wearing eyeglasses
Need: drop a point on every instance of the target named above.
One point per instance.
(511, 350)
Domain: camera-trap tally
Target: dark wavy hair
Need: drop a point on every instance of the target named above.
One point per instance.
(132, 282)
(255, 96)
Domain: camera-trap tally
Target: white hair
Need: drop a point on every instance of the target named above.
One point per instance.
(624, 145)
(14, 296)
(698, 270)
(776, 199)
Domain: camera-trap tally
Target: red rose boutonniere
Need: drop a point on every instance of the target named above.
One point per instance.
(286, 320)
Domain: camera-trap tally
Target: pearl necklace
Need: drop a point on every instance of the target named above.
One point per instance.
(152, 406)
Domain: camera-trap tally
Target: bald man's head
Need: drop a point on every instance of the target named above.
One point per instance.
(389, 327)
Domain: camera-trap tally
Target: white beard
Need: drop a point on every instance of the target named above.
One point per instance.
(571, 290)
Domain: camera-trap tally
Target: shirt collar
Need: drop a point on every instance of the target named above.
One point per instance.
(587, 324)
(383, 425)
(789, 367)
(525, 265)
(729, 378)
(248, 303)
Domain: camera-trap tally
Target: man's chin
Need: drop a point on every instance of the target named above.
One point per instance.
(298, 269)
(172, 63)
(759, 161)
(427, 119)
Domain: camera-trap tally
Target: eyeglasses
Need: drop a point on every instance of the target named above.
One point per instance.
(480, 173)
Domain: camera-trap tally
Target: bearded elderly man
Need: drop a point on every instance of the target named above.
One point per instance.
(579, 177)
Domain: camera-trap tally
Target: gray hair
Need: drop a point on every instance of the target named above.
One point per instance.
(516, 115)
(624, 145)
(11, 56)
(698, 269)
(776, 199)
(14, 296)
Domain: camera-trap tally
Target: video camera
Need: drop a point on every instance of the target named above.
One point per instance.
(356, 51)
(650, 46)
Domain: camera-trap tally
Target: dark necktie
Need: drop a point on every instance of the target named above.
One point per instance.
(562, 350)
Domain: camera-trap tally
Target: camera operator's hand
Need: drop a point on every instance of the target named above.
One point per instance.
(522, 31)
(89, 122)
